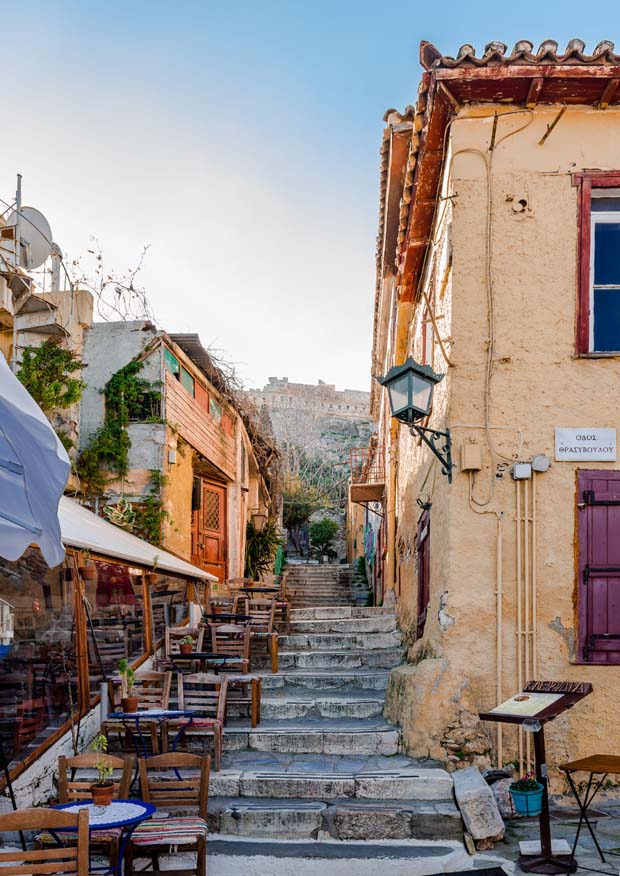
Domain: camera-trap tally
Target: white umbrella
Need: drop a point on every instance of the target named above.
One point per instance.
(34, 468)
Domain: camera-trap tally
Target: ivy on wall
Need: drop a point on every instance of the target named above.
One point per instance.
(150, 513)
(107, 453)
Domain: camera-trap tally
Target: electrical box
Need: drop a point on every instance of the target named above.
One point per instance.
(521, 471)
(172, 457)
(471, 457)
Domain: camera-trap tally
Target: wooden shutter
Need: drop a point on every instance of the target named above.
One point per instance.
(599, 566)
(423, 542)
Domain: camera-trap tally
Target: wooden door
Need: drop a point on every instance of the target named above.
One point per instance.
(598, 509)
(209, 529)
(423, 543)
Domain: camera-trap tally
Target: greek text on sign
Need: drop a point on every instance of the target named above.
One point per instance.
(577, 445)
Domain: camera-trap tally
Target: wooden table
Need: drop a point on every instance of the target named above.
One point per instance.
(601, 766)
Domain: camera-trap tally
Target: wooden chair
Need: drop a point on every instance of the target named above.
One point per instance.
(153, 692)
(243, 689)
(204, 694)
(282, 613)
(172, 644)
(163, 785)
(71, 789)
(232, 640)
(262, 613)
(71, 859)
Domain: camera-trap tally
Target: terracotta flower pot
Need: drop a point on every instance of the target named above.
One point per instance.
(87, 571)
(102, 794)
(186, 648)
(130, 704)
(152, 578)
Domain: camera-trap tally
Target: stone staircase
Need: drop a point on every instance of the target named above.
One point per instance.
(312, 585)
(320, 785)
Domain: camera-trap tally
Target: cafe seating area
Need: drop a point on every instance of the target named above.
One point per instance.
(157, 745)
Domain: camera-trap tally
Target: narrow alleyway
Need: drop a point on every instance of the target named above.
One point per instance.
(322, 777)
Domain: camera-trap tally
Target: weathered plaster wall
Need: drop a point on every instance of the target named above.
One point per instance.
(537, 384)
(177, 529)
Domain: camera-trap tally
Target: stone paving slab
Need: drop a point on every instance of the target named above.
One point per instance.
(327, 680)
(340, 641)
(382, 623)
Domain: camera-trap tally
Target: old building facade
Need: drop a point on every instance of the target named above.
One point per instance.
(498, 266)
(192, 458)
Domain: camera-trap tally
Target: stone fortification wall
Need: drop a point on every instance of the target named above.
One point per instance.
(320, 419)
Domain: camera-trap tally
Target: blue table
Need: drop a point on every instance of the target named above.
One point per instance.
(137, 736)
(126, 814)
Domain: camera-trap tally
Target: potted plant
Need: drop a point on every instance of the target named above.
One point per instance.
(527, 795)
(152, 577)
(87, 567)
(186, 645)
(128, 677)
(103, 789)
(322, 534)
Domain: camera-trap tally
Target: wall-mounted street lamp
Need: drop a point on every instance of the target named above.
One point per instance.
(259, 520)
(410, 390)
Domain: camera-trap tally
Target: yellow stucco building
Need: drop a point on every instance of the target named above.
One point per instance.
(498, 265)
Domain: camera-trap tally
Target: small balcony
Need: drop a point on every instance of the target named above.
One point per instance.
(367, 475)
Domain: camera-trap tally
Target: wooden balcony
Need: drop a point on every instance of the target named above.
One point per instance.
(367, 475)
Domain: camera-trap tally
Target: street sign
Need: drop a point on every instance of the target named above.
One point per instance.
(586, 444)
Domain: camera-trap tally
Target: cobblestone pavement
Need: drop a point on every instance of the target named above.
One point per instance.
(605, 819)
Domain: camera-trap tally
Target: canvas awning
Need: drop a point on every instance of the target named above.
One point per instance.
(34, 467)
(81, 528)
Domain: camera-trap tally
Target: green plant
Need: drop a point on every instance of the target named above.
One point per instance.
(260, 549)
(322, 533)
(107, 452)
(149, 514)
(187, 640)
(155, 562)
(103, 766)
(46, 372)
(128, 677)
(526, 783)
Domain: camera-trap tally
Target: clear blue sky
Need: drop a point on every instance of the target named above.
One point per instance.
(241, 141)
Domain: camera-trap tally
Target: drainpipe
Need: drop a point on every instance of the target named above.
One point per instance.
(403, 321)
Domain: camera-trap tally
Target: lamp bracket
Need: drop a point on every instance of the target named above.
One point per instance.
(441, 445)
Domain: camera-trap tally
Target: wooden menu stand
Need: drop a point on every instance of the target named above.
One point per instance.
(520, 709)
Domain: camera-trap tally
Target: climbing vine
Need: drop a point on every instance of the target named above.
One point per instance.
(150, 512)
(107, 452)
(46, 372)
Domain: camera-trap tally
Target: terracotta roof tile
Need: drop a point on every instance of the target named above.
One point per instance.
(495, 54)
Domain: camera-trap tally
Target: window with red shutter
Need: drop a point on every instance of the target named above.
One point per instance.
(598, 299)
(598, 601)
(423, 542)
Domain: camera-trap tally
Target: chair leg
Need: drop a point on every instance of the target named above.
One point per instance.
(255, 702)
(273, 648)
(217, 746)
(113, 853)
(128, 860)
(201, 856)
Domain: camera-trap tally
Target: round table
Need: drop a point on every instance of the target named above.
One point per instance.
(137, 737)
(126, 814)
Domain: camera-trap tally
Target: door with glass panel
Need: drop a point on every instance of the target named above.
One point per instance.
(209, 529)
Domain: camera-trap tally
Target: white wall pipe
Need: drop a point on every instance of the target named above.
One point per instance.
(534, 583)
(500, 635)
(519, 610)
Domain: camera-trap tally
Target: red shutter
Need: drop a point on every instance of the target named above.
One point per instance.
(423, 543)
(599, 566)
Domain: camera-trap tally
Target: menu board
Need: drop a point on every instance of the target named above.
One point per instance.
(526, 704)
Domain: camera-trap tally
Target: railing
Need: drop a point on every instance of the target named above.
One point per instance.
(367, 465)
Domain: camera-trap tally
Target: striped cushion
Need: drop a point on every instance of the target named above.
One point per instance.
(170, 831)
(96, 836)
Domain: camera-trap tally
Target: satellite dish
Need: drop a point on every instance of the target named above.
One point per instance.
(35, 243)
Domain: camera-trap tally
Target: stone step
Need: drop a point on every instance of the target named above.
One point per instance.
(339, 641)
(327, 680)
(287, 704)
(340, 612)
(340, 819)
(375, 659)
(327, 736)
(380, 624)
(237, 856)
(334, 778)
